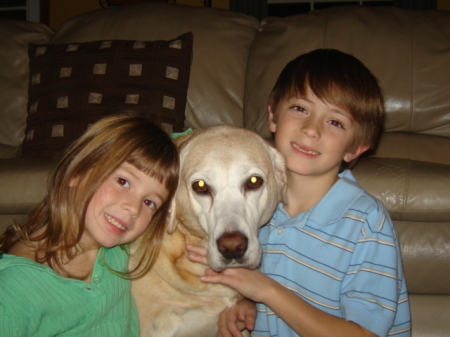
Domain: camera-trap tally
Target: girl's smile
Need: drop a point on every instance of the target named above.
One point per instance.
(121, 226)
(121, 209)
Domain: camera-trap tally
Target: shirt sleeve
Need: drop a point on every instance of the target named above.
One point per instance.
(372, 285)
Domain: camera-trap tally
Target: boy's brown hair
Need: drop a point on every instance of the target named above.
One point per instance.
(339, 79)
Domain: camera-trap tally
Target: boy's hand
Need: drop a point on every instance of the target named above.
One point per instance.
(240, 316)
(197, 254)
(251, 284)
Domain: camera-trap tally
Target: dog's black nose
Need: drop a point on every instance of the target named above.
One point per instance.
(232, 245)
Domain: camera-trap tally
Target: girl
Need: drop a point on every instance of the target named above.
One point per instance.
(65, 271)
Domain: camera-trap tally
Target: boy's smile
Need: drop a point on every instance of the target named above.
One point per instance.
(313, 135)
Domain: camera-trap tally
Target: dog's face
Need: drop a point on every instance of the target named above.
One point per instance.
(230, 183)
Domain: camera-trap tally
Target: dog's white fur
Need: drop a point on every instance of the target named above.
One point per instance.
(226, 210)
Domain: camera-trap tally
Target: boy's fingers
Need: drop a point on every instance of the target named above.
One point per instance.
(198, 258)
(209, 271)
(249, 323)
(229, 325)
(196, 249)
(197, 254)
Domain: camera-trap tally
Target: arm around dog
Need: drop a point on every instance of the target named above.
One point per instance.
(232, 320)
(302, 317)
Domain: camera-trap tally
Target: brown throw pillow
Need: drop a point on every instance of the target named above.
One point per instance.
(74, 85)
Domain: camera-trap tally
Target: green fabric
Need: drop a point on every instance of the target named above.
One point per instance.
(175, 135)
(36, 301)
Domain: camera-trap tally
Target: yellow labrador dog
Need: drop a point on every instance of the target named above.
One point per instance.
(231, 181)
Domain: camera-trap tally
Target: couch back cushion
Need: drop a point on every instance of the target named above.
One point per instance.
(408, 51)
(14, 39)
(222, 41)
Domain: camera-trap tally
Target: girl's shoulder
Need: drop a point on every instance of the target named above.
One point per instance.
(22, 249)
(11, 262)
(20, 275)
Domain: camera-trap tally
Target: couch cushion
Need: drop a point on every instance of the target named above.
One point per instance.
(430, 315)
(24, 183)
(73, 85)
(426, 253)
(411, 190)
(414, 185)
(408, 51)
(14, 39)
(222, 44)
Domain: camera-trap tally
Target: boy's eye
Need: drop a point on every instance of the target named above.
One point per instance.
(336, 123)
(123, 182)
(150, 204)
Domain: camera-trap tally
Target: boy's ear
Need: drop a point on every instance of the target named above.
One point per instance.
(349, 156)
(272, 123)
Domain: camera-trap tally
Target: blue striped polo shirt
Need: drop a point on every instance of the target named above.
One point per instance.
(343, 257)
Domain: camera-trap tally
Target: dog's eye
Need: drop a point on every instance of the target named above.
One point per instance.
(200, 187)
(253, 183)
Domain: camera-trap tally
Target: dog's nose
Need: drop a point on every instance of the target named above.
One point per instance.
(232, 245)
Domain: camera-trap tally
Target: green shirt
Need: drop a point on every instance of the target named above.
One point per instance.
(36, 301)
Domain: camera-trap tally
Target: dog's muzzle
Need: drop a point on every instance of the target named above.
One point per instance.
(232, 245)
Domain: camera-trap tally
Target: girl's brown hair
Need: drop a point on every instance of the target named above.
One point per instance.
(59, 218)
(339, 79)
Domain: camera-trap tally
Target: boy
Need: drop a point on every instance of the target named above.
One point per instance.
(331, 263)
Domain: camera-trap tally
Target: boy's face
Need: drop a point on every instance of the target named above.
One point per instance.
(314, 136)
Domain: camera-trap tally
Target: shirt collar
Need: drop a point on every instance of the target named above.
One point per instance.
(330, 208)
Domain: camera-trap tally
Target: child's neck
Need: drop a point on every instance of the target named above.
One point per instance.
(304, 192)
(79, 267)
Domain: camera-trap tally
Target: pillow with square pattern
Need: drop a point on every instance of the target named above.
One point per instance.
(74, 85)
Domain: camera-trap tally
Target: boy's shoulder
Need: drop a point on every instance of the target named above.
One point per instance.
(364, 206)
(350, 200)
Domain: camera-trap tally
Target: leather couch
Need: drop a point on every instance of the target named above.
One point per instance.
(236, 60)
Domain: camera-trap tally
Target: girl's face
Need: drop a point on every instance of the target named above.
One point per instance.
(122, 207)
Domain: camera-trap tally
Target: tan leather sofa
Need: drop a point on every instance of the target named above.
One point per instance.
(236, 60)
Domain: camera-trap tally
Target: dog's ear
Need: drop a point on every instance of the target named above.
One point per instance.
(279, 166)
(172, 218)
(172, 221)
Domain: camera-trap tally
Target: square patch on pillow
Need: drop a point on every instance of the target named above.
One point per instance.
(74, 85)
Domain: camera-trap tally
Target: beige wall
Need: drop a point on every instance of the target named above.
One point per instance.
(224, 4)
(61, 10)
(443, 5)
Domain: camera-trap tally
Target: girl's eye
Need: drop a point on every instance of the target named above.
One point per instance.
(123, 182)
(150, 204)
(298, 108)
(337, 124)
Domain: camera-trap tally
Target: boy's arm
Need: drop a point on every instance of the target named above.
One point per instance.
(232, 320)
(305, 319)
